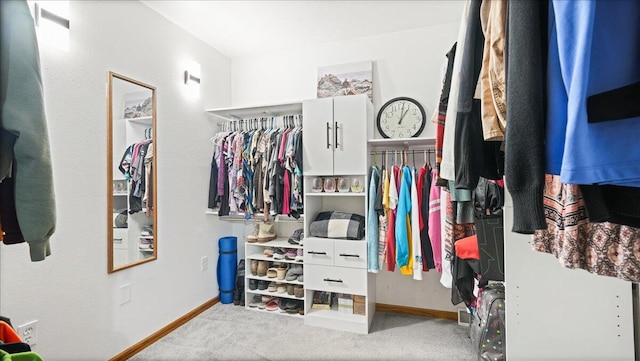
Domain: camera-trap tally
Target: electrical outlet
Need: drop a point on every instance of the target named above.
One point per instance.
(29, 332)
(204, 263)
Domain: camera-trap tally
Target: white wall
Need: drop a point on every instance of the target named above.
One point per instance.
(70, 293)
(406, 63)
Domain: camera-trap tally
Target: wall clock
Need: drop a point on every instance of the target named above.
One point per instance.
(401, 117)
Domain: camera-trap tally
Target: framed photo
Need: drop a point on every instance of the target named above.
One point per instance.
(346, 79)
(138, 105)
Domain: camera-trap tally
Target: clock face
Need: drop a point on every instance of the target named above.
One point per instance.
(401, 118)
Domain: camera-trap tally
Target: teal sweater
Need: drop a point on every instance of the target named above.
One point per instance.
(24, 142)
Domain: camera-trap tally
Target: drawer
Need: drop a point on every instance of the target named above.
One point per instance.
(120, 238)
(318, 251)
(335, 279)
(350, 254)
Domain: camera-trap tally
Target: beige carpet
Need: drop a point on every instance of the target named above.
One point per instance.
(227, 332)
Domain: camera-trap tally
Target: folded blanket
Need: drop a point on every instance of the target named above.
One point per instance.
(338, 225)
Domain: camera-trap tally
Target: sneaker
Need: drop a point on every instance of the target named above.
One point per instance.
(253, 284)
(290, 254)
(299, 255)
(278, 253)
(257, 299)
(263, 285)
(266, 232)
(253, 237)
(268, 251)
(296, 236)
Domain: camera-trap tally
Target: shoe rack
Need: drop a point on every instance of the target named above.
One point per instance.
(256, 252)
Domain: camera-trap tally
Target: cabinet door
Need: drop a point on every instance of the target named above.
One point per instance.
(318, 136)
(350, 115)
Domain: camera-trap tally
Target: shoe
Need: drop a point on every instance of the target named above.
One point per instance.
(263, 266)
(254, 267)
(296, 236)
(257, 299)
(290, 289)
(253, 284)
(281, 272)
(272, 287)
(266, 232)
(272, 272)
(301, 278)
(253, 237)
(268, 252)
(290, 254)
(281, 287)
(278, 253)
(263, 285)
(298, 291)
(294, 272)
(299, 255)
(273, 305)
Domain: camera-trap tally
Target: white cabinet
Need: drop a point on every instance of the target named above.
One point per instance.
(336, 133)
(335, 146)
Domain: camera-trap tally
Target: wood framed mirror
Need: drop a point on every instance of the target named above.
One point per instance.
(131, 173)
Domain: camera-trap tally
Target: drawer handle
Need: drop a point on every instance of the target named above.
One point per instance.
(117, 240)
(349, 255)
(314, 252)
(331, 280)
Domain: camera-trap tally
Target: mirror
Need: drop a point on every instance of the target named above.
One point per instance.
(131, 173)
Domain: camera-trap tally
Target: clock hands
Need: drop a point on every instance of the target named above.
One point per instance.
(402, 114)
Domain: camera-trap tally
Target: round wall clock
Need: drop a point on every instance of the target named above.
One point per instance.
(401, 118)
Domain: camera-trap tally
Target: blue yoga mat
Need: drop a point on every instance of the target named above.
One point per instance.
(227, 266)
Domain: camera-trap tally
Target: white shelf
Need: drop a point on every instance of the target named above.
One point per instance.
(278, 311)
(273, 294)
(407, 142)
(257, 217)
(146, 250)
(278, 242)
(336, 194)
(336, 315)
(142, 120)
(333, 239)
(265, 278)
(279, 109)
(120, 194)
(261, 257)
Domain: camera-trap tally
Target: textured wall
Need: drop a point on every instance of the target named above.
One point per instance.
(76, 302)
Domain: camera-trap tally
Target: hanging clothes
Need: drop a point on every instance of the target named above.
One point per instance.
(403, 224)
(372, 220)
(262, 168)
(424, 188)
(435, 221)
(606, 249)
(416, 246)
(391, 234)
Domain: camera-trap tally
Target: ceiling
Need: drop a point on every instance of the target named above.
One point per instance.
(238, 28)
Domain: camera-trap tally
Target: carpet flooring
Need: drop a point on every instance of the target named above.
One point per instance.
(227, 332)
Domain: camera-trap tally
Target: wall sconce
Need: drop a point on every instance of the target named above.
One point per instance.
(44, 14)
(192, 79)
(52, 23)
(188, 77)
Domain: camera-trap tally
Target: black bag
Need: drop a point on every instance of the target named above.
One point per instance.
(487, 331)
(238, 291)
(489, 199)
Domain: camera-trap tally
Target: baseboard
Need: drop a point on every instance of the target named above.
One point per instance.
(149, 340)
(414, 311)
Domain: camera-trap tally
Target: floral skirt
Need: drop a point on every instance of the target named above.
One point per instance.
(605, 249)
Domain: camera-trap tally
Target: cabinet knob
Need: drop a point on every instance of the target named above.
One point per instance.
(332, 280)
(321, 253)
(349, 255)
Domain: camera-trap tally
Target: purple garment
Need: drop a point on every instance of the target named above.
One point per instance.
(222, 169)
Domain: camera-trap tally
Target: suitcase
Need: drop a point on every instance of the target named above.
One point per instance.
(487, 331)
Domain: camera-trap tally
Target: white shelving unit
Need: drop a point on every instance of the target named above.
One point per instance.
(254, 251)
(335, 143)
(406, 142)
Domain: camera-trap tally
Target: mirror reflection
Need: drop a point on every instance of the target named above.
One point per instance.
(132, 176)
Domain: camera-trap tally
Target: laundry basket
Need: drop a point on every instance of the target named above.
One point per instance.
(226, 270)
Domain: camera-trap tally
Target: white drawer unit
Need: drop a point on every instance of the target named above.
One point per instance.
(318, 251)
(350, 254)
(336, 279)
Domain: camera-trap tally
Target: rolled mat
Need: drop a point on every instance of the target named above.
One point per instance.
(227, 263)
